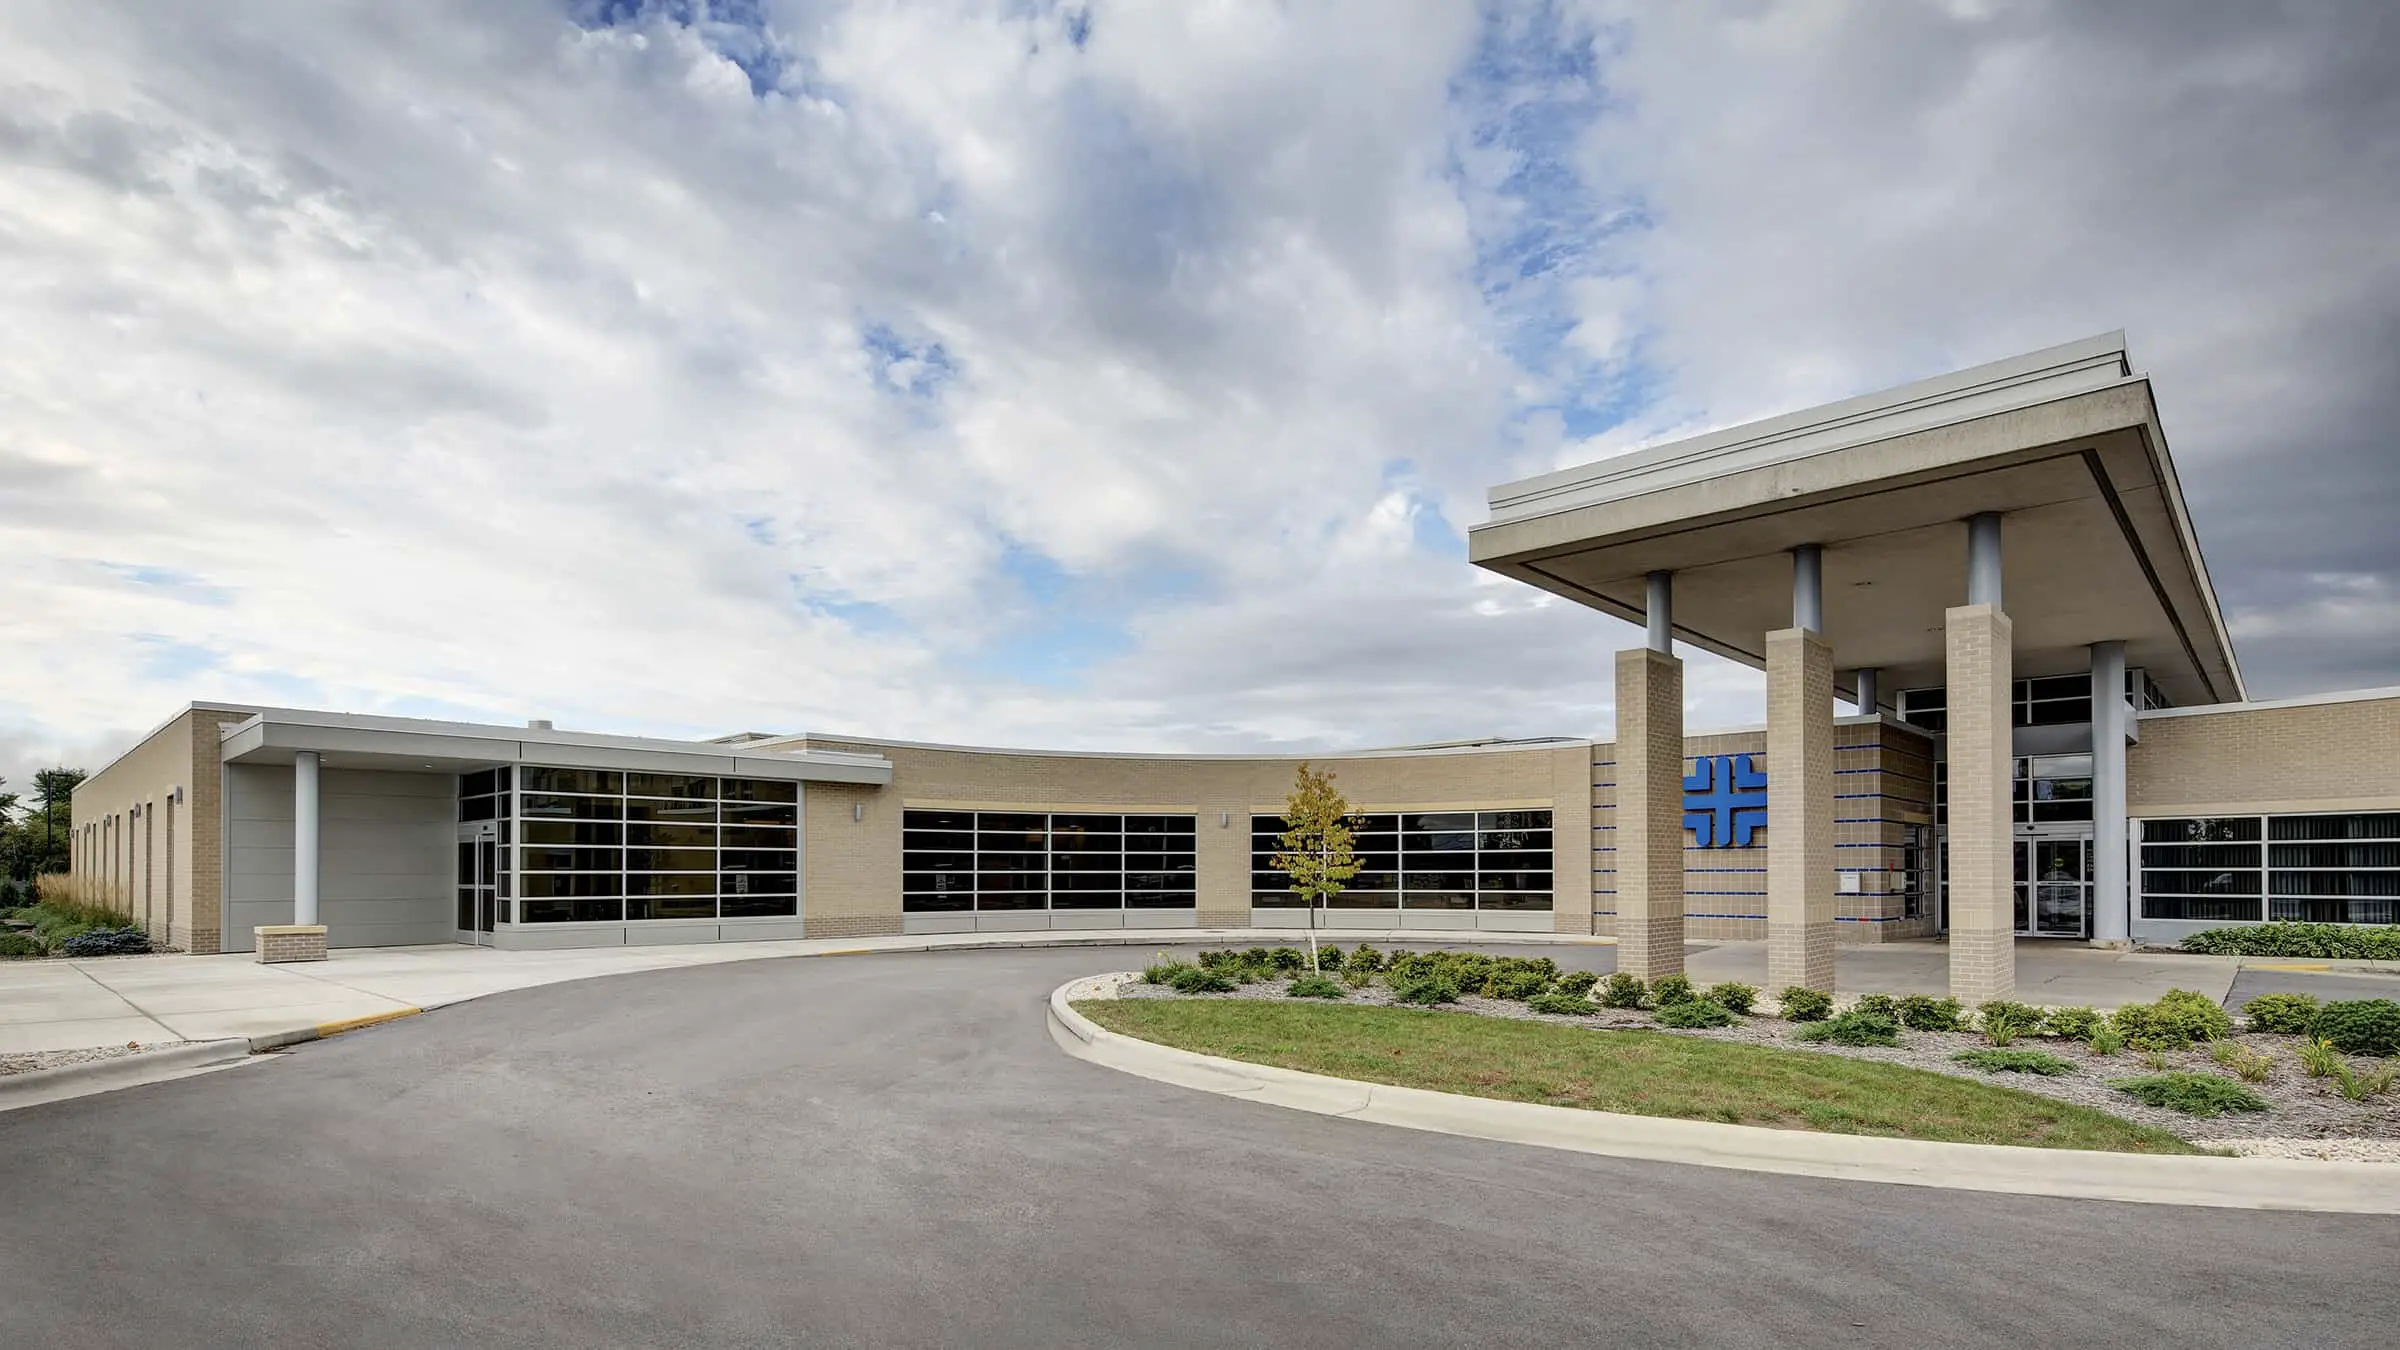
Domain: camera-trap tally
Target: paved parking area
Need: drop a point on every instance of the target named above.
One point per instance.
(892, 1153)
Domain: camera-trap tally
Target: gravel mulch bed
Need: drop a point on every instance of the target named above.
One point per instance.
(28, 1061)
(2301, 1110)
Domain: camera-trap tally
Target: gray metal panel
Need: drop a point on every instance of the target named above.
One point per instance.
(1438, 920)
(1513, 920)
(1162, 918)
(388, 845)
(1013, 921)
(937, 923)
(1087, 918)
(760, 930)
(545, 937)
(669, 932)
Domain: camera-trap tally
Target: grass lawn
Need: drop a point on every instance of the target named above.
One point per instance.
(1643, 1073)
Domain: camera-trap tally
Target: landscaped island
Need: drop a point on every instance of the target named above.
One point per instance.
(2163, 1077)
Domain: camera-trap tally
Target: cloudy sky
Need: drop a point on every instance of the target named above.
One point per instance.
(1109, 374)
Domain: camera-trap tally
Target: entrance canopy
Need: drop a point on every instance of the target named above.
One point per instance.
(2065, 443)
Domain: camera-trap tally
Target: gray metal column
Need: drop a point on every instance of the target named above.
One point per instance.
(1808, 588)
(1659, 609)
(2112, 898)
(304, 837)
(1983, 559)
(1868, 696)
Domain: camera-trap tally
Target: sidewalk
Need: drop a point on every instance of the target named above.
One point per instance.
(105, 1001)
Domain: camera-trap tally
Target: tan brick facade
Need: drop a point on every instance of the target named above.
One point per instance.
(1982, 863)
(151, 858)
(1649, 814)
(2331, 756)
(1800, 811)
(852, 865)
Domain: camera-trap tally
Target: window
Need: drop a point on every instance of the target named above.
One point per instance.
(598, 845)
(998, 861)
(2039, 701)
(1446, 860)
(2048, 789)
(2333, 868)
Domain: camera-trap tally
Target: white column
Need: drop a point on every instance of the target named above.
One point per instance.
(304, 837)
(1983, 559)
(2112, 898)
(1866, 678)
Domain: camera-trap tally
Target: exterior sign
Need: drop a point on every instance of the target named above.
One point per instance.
(1725, 802)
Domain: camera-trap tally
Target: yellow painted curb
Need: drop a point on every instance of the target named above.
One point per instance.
(849, 951)
(2296, 966)
(325, 1029)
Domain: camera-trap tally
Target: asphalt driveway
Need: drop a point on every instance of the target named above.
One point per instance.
(888, 1151)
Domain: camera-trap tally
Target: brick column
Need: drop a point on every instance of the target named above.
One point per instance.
(1800, 870)
(1983, 958)
(1649, 813)
(281, 942)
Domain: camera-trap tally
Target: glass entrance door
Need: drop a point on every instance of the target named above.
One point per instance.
(2054, 886)
(478, 881)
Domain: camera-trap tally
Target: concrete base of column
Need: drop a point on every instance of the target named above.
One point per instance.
(1983, 954)
(1800, 801)
(1649, 833)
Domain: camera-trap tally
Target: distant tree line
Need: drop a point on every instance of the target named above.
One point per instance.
(35, 828)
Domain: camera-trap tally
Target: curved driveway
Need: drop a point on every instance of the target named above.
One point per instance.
(888, 1151)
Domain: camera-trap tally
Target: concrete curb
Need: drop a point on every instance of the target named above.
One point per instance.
(107, 1075)
(277, 1040)
(2219, 1183)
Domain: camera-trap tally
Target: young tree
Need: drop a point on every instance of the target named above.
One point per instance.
(1315, 852)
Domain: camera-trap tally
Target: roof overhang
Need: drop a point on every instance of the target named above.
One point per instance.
(415, 745)
(2065, 442)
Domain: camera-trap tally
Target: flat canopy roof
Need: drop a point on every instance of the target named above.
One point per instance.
(409, 744)
(2065, 442)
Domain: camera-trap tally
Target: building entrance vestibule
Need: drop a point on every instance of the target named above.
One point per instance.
(2054, 886)
(478, 881)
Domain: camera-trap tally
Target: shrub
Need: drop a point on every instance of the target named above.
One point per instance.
(1560, 1003)
(107, 942)
(2177, 1019)
(1622, 991)
(2072, 1024)
(1924, 1012)
(1733, 997)
(2361, 1026)
(2158, 1060)
(2334, 941)
(1356, 978)
(1425, 989)
(1668, 990)
(2002, 1020)
(2319, 1058)
(1219, 960)
(1164, 969)
(2358, 1086)
(1803, 1004)
(2015, 1061)
(1882, 1005)
(2105, 1039)
(2194, 1094)
(1855, 1027)
(1577, 983)
(1517, 985)
(1365, 960)
(2224, 1052)
(1194, 980)
(1316, 986)
(2285, 1014)
(1255, 956)
(1286, 959)
(17, 944)
(1693, 1014)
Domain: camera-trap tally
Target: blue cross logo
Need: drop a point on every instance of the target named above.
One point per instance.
(1725, 802)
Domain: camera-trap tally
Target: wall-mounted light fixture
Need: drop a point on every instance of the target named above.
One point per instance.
(858, 811)
(175, 794)
(1225, 820)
